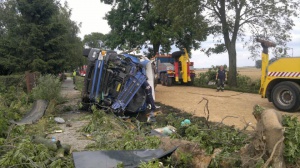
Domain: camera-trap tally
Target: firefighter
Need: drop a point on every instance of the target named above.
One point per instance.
(221, 77)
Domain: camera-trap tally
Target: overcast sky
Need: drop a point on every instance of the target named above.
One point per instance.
(91, 12)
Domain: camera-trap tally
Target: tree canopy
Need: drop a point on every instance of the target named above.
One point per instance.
(233, 20)
(138, 23)
(38, 36)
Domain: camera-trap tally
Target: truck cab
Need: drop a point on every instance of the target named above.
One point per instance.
(113, 81)
(174, 68)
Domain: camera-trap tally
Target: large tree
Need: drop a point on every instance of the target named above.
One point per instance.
(234, 19)
(38, 36)
(185, 21)
(136, 23)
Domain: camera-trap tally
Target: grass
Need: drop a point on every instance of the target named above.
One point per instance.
(79, 82)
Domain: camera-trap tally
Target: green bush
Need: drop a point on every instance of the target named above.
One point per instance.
(246, 84)
(48, 87)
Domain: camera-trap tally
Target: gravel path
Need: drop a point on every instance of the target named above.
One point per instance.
(72, 135)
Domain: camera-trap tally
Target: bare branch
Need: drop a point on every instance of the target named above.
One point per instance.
(205, 108)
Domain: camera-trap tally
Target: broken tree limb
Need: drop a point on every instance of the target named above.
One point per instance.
(54, 146)
(60, 153)
(47, 142)
(67, 148)
(206, 109)
(273, 152)
(267, 142)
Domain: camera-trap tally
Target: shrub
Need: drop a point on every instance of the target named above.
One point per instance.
(48, 87)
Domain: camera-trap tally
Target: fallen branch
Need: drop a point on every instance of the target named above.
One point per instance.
(61, 149)
(206, 108)
(225, 118)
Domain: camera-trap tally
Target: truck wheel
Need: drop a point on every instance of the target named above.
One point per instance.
(162, 78)
(166, 79)
(286, 96)
(169, 80)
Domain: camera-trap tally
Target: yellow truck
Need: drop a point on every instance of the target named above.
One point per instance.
(280, 80)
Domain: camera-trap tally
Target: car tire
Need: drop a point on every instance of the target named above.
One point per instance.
(286, 96)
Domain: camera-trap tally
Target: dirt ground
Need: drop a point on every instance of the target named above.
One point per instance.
(236, 106)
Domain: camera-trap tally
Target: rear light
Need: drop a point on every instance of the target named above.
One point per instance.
(191, 63)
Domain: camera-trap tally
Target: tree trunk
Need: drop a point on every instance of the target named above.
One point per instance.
(232, 74)
(156, 48)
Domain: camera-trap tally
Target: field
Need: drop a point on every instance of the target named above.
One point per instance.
(252, 72)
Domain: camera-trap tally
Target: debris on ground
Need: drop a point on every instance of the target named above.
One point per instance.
(54, 145)
(186, 122)
(115, 158)
(266, 146)
(38, 110)
(59, 120)
(165, 131)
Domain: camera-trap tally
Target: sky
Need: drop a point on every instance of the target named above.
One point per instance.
(90, 14)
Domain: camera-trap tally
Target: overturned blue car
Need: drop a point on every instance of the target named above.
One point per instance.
(115, 81)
